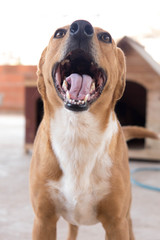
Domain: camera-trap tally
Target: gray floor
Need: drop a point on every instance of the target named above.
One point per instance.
(16, 215)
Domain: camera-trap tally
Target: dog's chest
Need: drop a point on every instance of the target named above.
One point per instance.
(81, 150)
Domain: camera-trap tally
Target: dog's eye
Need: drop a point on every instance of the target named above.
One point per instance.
(60, 33)
(105, 37)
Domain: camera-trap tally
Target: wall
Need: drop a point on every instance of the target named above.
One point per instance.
(12, 86)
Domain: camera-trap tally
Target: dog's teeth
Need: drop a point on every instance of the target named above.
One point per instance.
(86, 98)
(79, 102)
(93, 88)
(65, 61)
(72, 101)
(65, 85)
(68, 95)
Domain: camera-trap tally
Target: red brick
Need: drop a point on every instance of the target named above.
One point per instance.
(12, 86)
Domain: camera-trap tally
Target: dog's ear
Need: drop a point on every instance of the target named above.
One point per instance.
(121, 65)
(40, 80)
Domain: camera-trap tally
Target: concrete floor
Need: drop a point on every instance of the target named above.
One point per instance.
(16, 215)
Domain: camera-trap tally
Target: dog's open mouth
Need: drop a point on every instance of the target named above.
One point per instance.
(78, 80)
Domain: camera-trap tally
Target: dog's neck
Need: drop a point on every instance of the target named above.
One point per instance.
(78, 138)
(82, 127)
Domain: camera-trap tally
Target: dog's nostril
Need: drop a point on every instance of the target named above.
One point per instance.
(81, 29)
(74, 28)
(88, 30)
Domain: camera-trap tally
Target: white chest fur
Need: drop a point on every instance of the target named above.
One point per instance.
(81, 149)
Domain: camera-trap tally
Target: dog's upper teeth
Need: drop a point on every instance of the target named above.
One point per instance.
(65, 85)
(65, 61)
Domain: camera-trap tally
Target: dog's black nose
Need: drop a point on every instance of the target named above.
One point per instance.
(81, 29)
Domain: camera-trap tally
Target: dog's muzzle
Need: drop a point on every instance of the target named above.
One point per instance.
(78, 79)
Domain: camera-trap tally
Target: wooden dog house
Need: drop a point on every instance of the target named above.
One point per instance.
(33, 110)
(140, 104)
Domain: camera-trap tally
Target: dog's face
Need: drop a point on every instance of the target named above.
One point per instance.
(81, 69)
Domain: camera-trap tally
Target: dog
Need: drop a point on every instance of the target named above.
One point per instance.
(79, 168)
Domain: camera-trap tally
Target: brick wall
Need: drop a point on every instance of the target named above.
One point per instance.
(12, 86)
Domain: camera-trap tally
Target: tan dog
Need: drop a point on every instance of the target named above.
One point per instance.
(79, 168)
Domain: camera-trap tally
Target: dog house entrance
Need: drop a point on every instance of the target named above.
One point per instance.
(39, 112)
(131, 109)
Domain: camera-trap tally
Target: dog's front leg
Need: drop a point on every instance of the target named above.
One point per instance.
(118, 230)
(44, 229)
(73, 232)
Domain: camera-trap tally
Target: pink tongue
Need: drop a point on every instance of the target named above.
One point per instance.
(80, 86)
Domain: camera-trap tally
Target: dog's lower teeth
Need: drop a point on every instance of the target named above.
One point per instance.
(86, 98)
(93, 88)
(75, 102)
(68, 95)
(65, 85)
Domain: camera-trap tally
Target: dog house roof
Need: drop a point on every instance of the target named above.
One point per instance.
(141, 67)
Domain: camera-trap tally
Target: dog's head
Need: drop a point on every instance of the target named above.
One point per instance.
(81, 68)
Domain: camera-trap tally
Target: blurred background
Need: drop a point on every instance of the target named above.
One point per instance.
(25, 29)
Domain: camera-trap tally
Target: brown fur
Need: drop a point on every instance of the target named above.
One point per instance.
(131, 132)
(113, 211)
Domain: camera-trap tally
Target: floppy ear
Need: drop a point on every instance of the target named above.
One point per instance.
(40, 80)
(121, 65)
